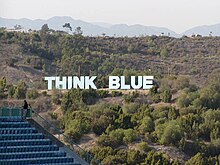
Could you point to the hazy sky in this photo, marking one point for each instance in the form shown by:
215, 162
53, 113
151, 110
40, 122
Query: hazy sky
178, 15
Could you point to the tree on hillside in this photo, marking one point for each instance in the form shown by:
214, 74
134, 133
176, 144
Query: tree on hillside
198, 159
45, 28
67, 26
3, 85
17, 27
164, 52
11, 91
172, 134
78, 31
147, 125
157, 158
167, 96
20, 90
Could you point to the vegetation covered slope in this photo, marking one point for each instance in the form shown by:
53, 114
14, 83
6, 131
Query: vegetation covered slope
76, 54
183, 113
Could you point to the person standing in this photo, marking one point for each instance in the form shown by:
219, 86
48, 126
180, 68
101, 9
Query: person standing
25, 108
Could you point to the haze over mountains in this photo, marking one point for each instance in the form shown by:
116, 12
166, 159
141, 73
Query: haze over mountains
98, 28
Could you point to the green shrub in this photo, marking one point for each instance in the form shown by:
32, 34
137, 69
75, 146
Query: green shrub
116, 93
130, 108
20, 91
103, 93
32, 94
129, 136
143, 146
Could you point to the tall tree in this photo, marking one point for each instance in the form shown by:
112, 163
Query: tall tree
45, 28
78, 31
67, 26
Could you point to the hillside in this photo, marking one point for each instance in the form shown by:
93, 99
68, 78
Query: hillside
176, 122
24, 55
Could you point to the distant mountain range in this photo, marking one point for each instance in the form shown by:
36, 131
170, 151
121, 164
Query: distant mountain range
204, 30
98, 28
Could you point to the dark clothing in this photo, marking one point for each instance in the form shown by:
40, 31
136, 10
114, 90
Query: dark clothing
24, 111
25, 105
